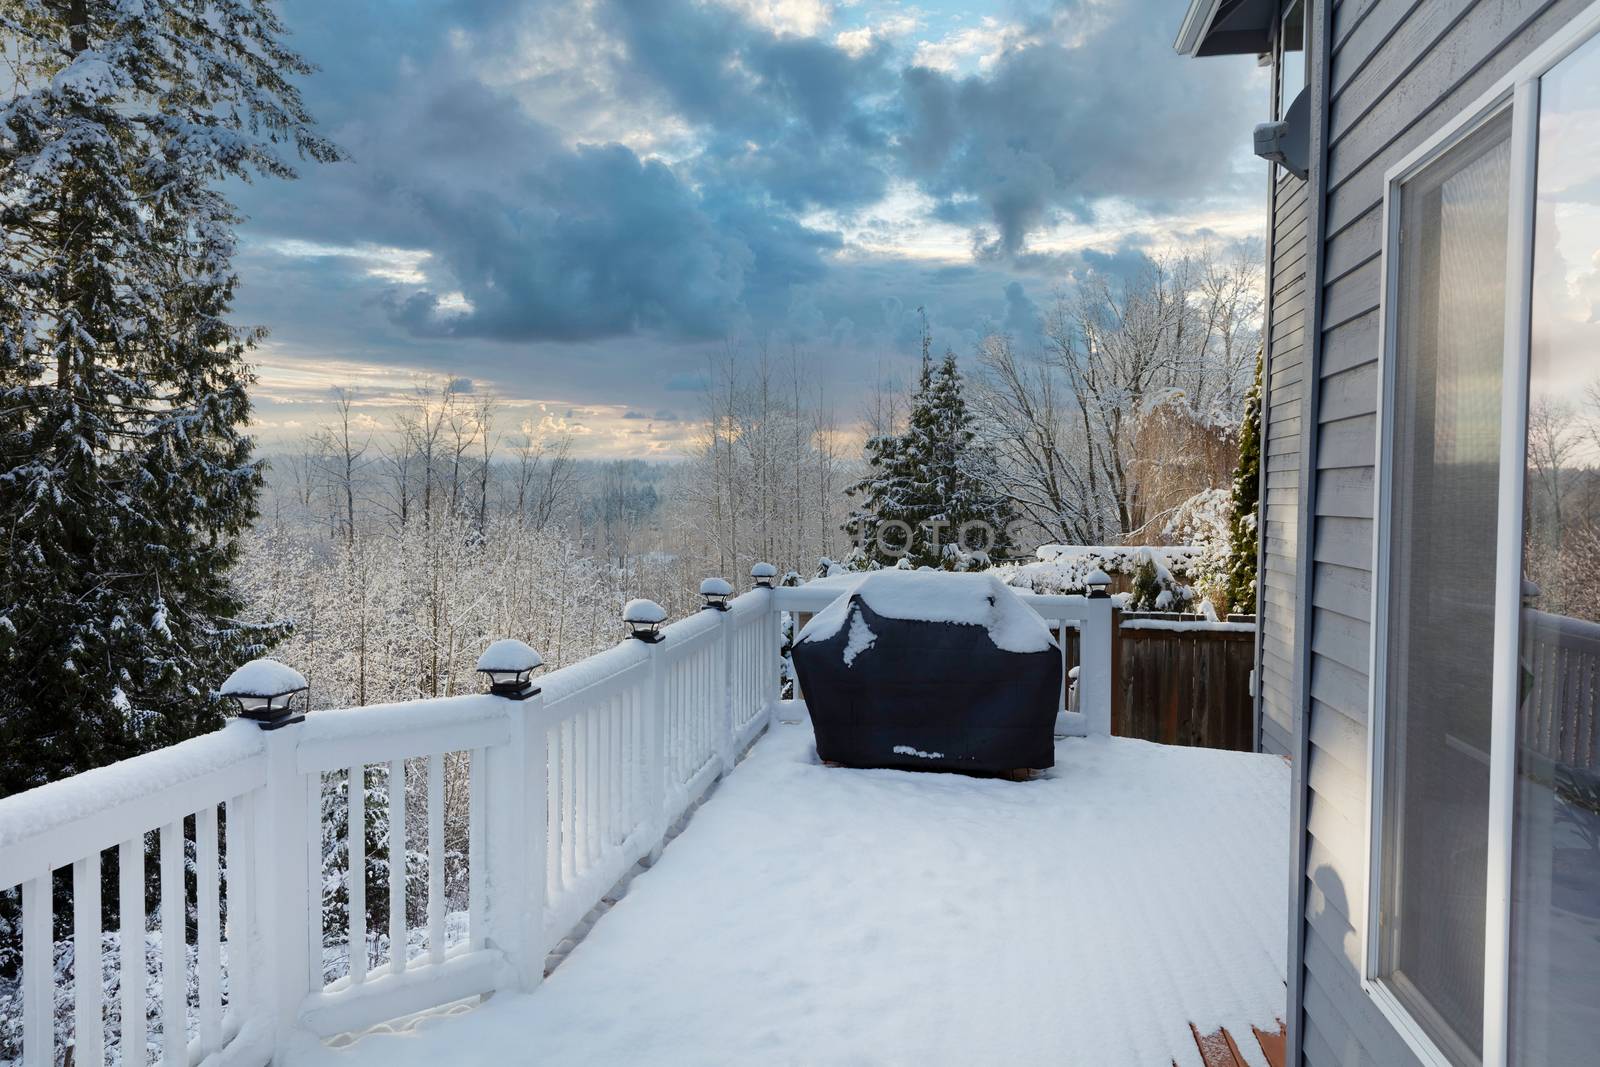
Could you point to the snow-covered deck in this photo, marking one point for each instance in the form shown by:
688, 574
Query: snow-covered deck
810, 914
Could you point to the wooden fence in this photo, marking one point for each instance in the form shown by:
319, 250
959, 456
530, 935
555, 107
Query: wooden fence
1181, 679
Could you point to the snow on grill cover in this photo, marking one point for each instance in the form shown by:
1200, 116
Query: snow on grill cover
928, 670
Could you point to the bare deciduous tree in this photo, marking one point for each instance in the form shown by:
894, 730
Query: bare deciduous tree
1179, 336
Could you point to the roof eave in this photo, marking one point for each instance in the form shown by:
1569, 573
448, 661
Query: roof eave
1226, 27
1196, 21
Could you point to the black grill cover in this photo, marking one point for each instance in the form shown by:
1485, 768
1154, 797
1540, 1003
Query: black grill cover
937, 696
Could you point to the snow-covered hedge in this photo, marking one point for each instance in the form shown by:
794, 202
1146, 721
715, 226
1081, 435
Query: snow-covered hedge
1161, 575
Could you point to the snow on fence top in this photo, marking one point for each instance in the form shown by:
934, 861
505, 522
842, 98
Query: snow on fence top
939, 596
42, 811
1117, 557
263, 677
643, 611
509, 655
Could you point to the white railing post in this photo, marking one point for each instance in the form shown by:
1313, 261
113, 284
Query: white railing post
508, 864
655, 754
765, 576
644, 619
772, 647
724, 668
283, 904
515, 844
725, 671
1097, 674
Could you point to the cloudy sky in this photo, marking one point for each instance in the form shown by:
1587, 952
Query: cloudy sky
577, 203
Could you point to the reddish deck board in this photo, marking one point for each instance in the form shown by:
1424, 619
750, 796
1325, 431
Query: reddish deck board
1218, 1049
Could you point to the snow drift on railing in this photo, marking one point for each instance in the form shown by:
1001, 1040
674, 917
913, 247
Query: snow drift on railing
42, 810
574, 678
345, 724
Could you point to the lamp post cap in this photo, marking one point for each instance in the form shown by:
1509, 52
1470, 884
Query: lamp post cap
763, 570
715, 587
1097, 577
263, 678
643, 611
509, 654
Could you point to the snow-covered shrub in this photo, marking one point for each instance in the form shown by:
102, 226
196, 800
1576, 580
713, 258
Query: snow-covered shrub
1063, 568
1205, 523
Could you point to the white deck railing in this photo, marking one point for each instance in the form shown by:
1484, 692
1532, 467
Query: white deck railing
568, 790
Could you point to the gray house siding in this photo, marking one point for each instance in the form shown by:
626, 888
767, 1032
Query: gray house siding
1283, 377
1397, 70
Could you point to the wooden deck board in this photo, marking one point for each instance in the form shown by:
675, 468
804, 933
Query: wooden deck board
1274, 1045
1219, 1049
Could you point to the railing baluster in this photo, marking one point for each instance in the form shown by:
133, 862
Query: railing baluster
625, 750
620, 767
674, 727
399, 929
208, 952
476, 862
569, 802
614, 770
607, 780
130, 933
602, 780
174, 977
38, 974
356, 893
238, 834
591, 801
88, 1025
436, 858
552, 814
555, 814
315, 976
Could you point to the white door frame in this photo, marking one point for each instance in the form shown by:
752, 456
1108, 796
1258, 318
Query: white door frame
1518, 89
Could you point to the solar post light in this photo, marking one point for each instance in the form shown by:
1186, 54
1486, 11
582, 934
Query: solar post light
1098, 582
265, 692
765, 574
644, 619
716, 592
509, 666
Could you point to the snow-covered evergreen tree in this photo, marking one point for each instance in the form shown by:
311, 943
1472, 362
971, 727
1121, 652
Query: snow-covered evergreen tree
935, 480
1243, 535
125, 477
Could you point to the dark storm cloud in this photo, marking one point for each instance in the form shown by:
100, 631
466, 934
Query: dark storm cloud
620, 274
1023, 320
797, 118
1062, 122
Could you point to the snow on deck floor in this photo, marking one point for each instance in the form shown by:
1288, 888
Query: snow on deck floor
820, 915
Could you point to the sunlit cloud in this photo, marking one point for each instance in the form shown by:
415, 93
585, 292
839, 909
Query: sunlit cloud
979, 46
801, 18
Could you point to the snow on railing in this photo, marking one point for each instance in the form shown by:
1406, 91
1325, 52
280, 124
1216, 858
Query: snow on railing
568, 784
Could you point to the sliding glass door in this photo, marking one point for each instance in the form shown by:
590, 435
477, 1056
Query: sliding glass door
1555, 890
1449, 328
1483, 896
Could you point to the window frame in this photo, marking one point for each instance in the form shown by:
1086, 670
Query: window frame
1281, 98
1518, 92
